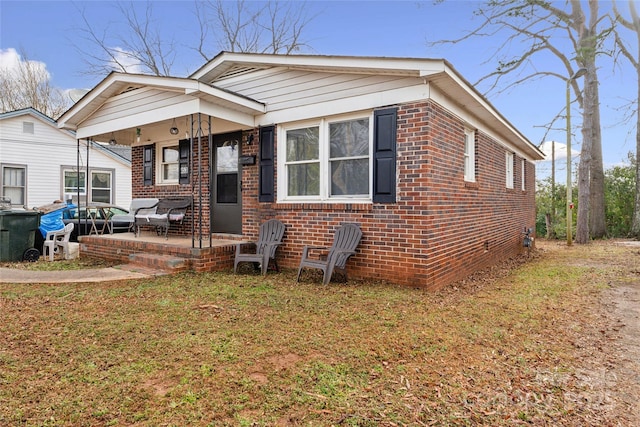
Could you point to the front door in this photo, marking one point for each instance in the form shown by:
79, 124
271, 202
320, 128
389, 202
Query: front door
227, 200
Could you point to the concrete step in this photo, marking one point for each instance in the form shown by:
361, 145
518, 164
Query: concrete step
157, 263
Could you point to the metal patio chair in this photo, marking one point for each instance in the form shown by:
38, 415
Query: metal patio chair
269, 238
346, 240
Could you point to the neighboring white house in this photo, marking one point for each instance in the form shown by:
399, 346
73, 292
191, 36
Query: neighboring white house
38, 164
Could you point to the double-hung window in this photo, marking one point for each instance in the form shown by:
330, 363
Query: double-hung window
168, 159
327, 160
14, 184
509, 169
524, 174
469, 156
101, 186
75, 181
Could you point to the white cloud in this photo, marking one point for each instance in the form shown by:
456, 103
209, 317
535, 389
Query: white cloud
560, 150
124, 59
10, 61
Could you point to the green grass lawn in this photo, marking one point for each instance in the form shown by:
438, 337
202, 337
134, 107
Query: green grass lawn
505, 347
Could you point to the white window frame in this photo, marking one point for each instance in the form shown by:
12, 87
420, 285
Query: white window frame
509, 169
6, 166
73, 190
523, 164
160, 164
469, 155
110, 188
86, 187
325, 176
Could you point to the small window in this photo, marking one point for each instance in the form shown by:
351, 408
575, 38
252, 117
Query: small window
469, 156
101, 187
27, 127
14, 184
524, 174
169, 164
74, 181
509, 170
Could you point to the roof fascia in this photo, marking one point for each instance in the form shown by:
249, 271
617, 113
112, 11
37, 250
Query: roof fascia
114, 81
185, 85
36, 114
347, 64
479, 98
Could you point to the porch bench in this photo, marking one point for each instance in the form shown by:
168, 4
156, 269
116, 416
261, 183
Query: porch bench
167, 211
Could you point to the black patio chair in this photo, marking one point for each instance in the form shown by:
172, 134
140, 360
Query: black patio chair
346, 240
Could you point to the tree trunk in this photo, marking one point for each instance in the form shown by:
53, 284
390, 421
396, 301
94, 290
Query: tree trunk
584, 189
590, 170
597, 218
635, 221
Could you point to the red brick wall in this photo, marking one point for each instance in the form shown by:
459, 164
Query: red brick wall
199, 214
440, 230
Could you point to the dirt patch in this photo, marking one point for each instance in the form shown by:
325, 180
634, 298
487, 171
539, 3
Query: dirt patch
622, 303
610, 378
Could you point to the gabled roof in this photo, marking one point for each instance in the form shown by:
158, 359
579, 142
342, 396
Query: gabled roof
253, 89
228, 67
119, 83
30, 111
122, 154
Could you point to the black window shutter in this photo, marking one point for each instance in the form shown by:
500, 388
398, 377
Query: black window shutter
384, 155
147, 164
183, 160
267, 166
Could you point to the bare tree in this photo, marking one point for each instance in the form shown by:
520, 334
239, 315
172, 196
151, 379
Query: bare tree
542, 28
240, 26
632, 24
140, 48
25, 83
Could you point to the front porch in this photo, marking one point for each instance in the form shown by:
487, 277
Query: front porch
150, 251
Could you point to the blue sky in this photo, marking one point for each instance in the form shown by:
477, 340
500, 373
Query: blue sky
45, 30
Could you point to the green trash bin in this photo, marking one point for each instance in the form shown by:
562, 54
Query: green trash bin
17, 235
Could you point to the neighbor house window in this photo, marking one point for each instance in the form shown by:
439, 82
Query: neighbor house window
101, 186
74, 182
469, 156
524, 173
328, 159
14, 184
509, 169
168, 160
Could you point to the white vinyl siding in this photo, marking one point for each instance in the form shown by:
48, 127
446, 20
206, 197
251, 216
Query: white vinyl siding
50, 152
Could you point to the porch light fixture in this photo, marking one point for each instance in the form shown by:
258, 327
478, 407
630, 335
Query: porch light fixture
138, 132
250, 139
113, 141
174, 130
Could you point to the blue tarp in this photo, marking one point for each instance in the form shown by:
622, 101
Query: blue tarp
52, 221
